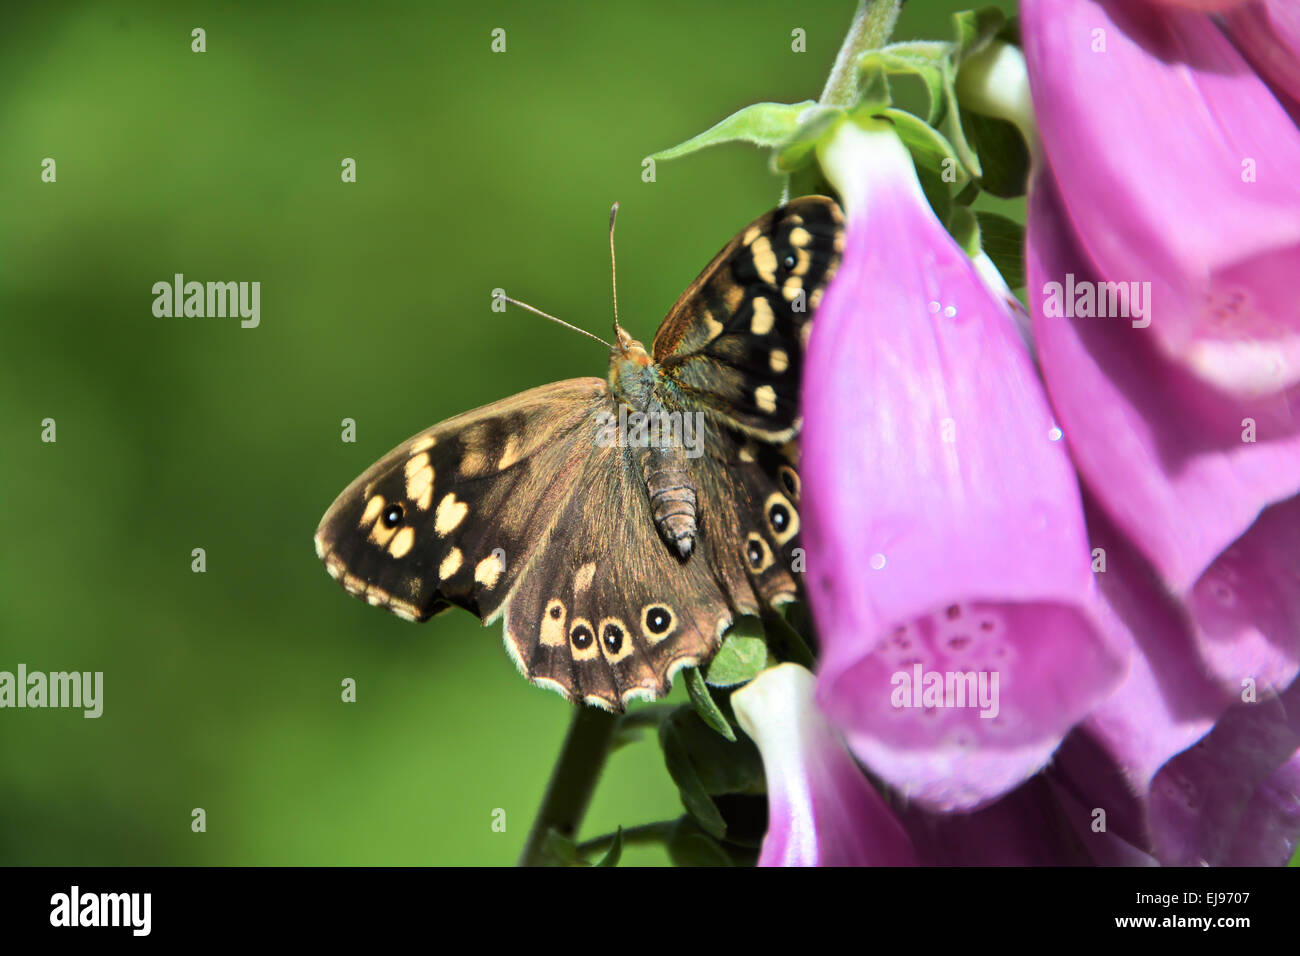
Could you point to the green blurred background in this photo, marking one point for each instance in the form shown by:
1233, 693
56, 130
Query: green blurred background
475, 170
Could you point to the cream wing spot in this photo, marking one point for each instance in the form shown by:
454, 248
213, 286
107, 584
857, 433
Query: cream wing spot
765, 398
763, 319
514, 448
373, 507
752, 233
488, 571
553, 631
449, 515
792, 287
764, 258
582, 580
400, 546
779, 360
423, 444
450, 564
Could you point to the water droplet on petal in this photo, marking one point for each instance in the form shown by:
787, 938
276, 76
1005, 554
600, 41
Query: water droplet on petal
877, 560
1055, 434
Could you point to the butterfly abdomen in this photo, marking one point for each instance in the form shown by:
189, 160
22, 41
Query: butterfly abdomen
672, 498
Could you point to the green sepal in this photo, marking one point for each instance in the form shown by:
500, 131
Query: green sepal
965, 229
763, 124
677, 758
690, 846
559, 850
614, 853
704, 704
1004, 157
1003, 240
797, 150
743, 655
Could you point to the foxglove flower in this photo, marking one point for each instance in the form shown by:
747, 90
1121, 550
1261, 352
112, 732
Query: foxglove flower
1268, 33
1166, 168
941, 514
822, 811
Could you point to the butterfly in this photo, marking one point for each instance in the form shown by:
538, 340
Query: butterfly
616, 549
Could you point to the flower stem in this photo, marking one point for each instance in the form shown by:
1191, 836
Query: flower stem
645, 833
873, 24
582, 758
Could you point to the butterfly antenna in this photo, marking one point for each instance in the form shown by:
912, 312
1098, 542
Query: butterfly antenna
613, 274
547, 315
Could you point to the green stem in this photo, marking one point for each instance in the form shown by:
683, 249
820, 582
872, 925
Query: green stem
639, 835
873, 24
573, 780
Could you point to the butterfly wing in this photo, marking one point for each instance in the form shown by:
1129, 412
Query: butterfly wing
734, 342
472, 499
516, 510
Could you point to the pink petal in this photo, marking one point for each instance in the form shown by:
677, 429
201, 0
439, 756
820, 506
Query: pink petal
1214, 800
1164, 455
941, 515
1268, 33
1177, 166
822, 811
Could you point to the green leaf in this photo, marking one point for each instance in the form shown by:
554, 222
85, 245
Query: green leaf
615, 851
763, 124
1004, 241
965, 229
743, 654
689, 846
798, 148
786, 643
1004, 158
720, 766
704, 704
694, 797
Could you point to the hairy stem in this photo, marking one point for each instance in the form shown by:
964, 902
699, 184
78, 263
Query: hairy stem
873, 24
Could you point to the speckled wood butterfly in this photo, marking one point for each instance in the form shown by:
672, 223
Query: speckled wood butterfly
614, 564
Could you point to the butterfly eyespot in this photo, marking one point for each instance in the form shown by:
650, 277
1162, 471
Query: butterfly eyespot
790, 481
556, 611
788, 261
754, 551
782, 519
656, 622
393, 516
581, 637
779, 516
757, 553
613, 638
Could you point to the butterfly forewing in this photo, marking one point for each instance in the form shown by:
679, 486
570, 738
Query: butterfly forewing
452, 515
734, 342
